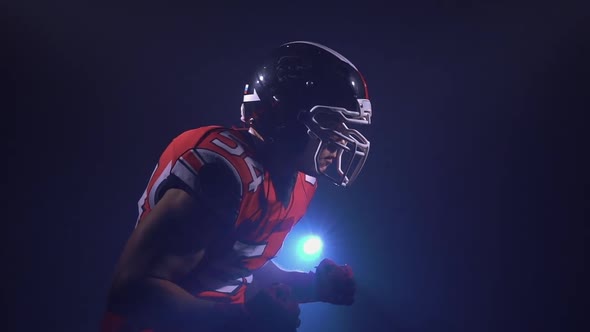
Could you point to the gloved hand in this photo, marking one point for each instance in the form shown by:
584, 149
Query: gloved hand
334, 283
272, 310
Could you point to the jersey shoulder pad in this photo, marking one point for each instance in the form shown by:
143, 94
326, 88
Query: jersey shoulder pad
193, 137
233, 149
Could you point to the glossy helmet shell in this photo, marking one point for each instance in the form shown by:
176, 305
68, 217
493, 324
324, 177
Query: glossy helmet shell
294, 79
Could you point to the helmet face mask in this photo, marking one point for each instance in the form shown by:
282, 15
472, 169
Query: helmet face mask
342, 148
307, 98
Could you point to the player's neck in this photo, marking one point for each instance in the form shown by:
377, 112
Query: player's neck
280, 164
278, 161
283, 175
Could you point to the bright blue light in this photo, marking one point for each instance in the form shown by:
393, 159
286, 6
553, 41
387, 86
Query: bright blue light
310, 247
305, 246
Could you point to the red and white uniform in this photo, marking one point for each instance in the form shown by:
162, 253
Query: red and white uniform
259, 221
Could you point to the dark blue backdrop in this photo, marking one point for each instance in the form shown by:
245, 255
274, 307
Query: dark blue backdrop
466, 217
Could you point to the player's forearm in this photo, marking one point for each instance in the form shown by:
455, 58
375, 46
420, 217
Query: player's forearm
161, 304
302, 284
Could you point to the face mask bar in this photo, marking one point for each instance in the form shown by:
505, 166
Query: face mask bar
352, 147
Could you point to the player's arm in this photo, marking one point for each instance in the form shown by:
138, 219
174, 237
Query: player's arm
301, 283
329, 283
165, 246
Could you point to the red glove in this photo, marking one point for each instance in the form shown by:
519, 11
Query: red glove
334, 283
272, 310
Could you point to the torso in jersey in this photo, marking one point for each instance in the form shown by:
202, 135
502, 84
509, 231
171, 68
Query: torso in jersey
260, 221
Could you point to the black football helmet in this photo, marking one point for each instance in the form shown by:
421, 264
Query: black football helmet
304, 91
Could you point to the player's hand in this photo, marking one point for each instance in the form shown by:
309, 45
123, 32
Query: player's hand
335, 283
273, 310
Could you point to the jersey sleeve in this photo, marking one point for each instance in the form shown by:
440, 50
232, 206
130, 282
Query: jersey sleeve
213, 164
205, 174
209, 178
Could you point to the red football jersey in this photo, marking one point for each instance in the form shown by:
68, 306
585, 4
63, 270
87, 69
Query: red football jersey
260, 221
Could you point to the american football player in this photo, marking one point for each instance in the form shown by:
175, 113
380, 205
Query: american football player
221, 201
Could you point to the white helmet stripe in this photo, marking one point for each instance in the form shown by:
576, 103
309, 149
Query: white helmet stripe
251, 97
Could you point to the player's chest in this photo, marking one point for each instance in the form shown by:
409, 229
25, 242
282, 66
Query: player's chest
265, 218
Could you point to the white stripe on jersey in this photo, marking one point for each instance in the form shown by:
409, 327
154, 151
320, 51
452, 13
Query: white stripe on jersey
249, 250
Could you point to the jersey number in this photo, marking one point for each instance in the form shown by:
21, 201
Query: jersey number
238, 150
